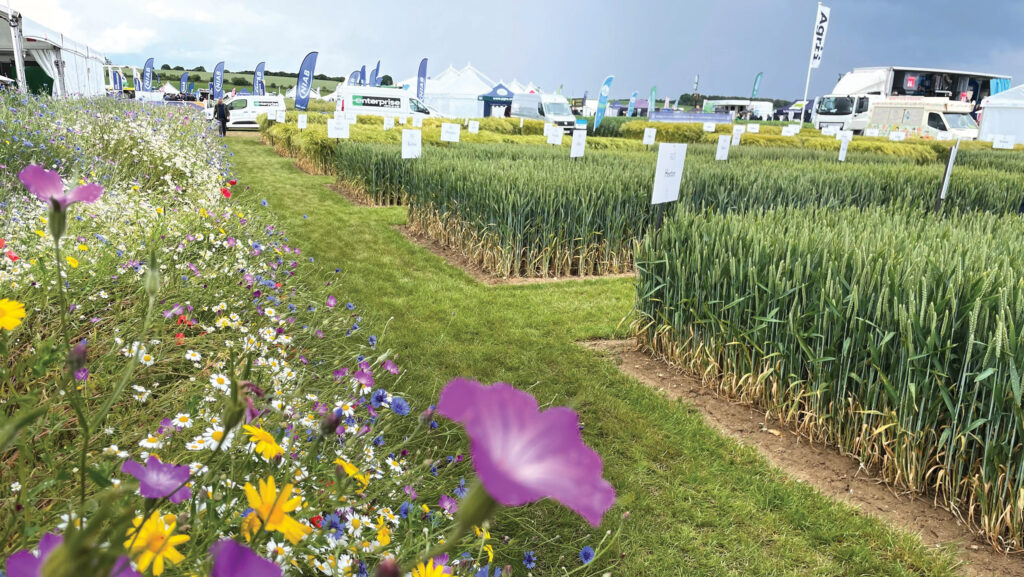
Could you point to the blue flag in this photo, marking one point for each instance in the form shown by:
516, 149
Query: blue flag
650, 103
632, 104
191, 87
183, 83
218, 81
362, 76
602, 101
757, 85
421, 80
147, 76
353, 79
373, 74
305, 84
118, 83
257, 80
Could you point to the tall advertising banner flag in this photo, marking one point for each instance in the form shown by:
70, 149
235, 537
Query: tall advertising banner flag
118, 83
147, 76
218, 81
602, 101
305, 84
632, 104
421, 80
650, 103
362, 76
183, 83
258, 88
757, 85
353, 79
191, 87
374, 73
821, 22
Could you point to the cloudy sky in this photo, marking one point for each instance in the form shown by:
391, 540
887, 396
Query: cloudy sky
577, 44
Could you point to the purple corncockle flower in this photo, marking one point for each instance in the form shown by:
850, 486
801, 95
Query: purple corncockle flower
82, 374
232, 559
364, 378
332, 302
26, 564
49, 188
157, 480
409, 490
448, 504
522, 454
390, 366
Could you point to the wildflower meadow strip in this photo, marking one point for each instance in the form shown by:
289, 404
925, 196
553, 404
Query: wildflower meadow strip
181, 396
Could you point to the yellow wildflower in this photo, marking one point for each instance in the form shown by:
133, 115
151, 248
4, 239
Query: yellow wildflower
353, 472
383, 532
273, 509
11, 313
428, 570
72, 261
40, 233
154, 543
83, 248
265, 443
490, 553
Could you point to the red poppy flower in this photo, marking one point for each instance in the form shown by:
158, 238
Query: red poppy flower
179, 338
3, 243
232, 182
12, 256
225, 192
182, 320
317, 521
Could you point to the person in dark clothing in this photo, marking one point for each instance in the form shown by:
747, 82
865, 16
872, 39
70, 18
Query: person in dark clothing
221, 114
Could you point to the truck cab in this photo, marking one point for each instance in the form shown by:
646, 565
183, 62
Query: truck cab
845, 112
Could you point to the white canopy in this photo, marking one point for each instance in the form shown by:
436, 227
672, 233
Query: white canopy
1003, 115
83, 67
168, 89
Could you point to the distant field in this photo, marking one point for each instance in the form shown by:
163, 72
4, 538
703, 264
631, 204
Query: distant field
172, 76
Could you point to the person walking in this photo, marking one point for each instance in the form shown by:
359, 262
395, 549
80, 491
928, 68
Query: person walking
221, 114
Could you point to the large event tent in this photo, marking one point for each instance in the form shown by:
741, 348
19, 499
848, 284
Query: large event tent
73, 69
1003, 115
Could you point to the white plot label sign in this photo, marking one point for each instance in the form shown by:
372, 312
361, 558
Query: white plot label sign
944, 136
474, 127
871, 132
579, 143
897, 136
650, 134
302, 122
754, 128
709, 127
1003, 142
450, 132
280, 116
555, 135
722, 153
949, 170
737, 134
389, 122
412, 143
843, 148
417, 121
669, 173
789, 131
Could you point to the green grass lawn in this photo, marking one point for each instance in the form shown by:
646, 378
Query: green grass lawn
699, 503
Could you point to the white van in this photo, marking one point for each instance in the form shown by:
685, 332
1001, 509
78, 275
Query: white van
923, 116
551, 108
245, 108
379, 101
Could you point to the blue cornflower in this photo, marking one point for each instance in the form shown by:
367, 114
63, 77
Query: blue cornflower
587, 554
379, 441
403, 511
433, 424
400, 406
529, 560
350, 306
264, 202
372, 340
461, 491
486, 572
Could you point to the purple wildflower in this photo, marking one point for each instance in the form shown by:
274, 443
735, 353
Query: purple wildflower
448, 504
49, 188
157, 480
232, 559
332, 302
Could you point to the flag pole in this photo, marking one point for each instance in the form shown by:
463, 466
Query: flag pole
810, 62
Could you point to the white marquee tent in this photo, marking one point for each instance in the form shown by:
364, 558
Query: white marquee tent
454, 92
1003, 115
77, 70
168, 89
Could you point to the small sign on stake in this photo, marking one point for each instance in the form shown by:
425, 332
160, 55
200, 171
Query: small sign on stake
897, 136
1003, 142
737, 134
302, 122
579, 143
944, 136
281, 116
389, 122
723, 147
949, 173
843, 148
417, 121
450, 132
474, 127
668, 173
555, 136
412, 143
871, 132
830, 131
709, 127
754, 128
650, 134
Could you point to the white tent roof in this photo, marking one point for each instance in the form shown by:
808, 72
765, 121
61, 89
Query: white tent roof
1003, 115
1012, 98
168, 89
83, 66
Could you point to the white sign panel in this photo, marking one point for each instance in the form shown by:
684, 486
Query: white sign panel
737, 134
871, 133
474, 127
723, 147
843, 148
412, 143
1003, 142
402, 119
417, 121
845, 135
788, 131
829, 130
450, 132
389, 122
820, 31
949, 170
302, 122
897, 136
650, 134
754, 128
709, 127
332, 129
669, 173
579, 143
342, 126
280, 116
555, 136
944, 136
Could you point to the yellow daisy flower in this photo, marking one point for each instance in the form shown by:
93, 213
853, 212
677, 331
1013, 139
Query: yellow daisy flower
428, 570
353, 472
155, 543
11, 313
73, 262
265, 443
273, 509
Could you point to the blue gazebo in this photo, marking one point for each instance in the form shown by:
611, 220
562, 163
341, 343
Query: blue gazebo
500, 95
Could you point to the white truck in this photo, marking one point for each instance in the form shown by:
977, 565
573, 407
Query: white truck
848, 106
925, 117
244, 108
379, 101
551, 108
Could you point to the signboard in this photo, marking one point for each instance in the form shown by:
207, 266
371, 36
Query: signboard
302, 122
788, 131
555, 136
650, 134
709, 127
332, 129
351, 116
1003, 142
844, 135
871, 132
474, 127
389, 122
342, 126
820, 31
723, 147
737, 134
417, 121
579, 143
412, 143
377, 101
829, 130
669, 173
450, 132
754, 128
949, 170
280, 116
897, 136
843, 148
581, 124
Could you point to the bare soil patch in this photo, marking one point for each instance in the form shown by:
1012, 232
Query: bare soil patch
820, 466
461, 261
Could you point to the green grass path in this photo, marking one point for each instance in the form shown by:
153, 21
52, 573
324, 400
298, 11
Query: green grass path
699, 504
